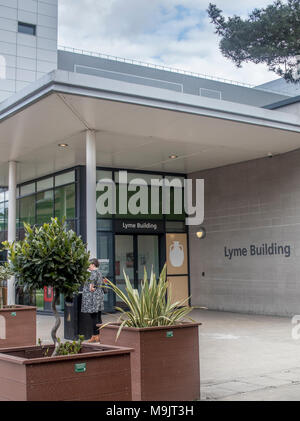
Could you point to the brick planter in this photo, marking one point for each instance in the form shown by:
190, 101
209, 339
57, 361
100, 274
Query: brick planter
165, 361
98, 373
17, 326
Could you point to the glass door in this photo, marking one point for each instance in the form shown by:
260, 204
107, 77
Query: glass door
124, 260
133, 253
147, 256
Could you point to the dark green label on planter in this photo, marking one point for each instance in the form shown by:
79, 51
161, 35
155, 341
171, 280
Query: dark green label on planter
13, 314
80, 368
170, 334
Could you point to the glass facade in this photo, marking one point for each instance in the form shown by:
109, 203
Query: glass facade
3, 219
132, 253
165, 201
37, 203
63, 195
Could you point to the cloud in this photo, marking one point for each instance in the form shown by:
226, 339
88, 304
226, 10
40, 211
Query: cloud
167, 32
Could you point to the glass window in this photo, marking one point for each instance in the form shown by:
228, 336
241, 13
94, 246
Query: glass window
44, 207
27, 189
65, 178
105, 256
174, 198
154, 203
2, 196
104, 225
26, 28
65, 202
27, 210
2, 216
3, 253
105, 252
39, 299
108, 198
44, 184
71, 224
17, 216
6, 213
132, 176
151, 208
104, 174
124, 259
175, 226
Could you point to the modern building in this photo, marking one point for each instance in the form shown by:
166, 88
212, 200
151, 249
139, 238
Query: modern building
69, 119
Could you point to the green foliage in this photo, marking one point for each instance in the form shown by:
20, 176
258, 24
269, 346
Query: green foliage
151, 306
5, 273
42, 348
66, 348
49, 255
69, 348
270, 35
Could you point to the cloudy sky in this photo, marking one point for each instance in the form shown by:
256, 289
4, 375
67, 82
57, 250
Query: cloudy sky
169, 32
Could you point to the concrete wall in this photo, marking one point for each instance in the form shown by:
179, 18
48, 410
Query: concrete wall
252, 203
178, 82
25, 58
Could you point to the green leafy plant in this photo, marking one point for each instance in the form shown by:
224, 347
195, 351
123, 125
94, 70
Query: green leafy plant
152, 306
50, 255
42, 348
68, 348
65, 348
5, 273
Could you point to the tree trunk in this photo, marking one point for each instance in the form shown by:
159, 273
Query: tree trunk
57, 323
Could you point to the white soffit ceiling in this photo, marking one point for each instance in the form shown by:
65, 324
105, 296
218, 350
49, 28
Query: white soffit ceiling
129, 136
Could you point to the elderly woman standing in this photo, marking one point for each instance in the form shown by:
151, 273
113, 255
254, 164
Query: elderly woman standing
93, 298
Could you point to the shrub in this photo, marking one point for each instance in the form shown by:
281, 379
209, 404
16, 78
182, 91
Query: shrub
53, 256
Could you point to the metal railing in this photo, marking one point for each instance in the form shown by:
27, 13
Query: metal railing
168, 69
153, 66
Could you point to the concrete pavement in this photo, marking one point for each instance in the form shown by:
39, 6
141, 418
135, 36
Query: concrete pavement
242, 357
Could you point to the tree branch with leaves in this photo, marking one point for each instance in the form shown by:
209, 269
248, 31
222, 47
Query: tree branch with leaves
270, 36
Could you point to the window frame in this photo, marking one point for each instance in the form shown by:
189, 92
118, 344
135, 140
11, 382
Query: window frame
26, 25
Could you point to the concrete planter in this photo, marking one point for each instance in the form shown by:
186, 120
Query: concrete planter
17, 326
165, 361
98, 373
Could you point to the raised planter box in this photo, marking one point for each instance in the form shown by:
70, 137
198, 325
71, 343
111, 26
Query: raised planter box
17, 326
98, 373
165, 362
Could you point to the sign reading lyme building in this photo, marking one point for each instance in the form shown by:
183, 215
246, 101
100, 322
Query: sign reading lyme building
265, 249
139, 227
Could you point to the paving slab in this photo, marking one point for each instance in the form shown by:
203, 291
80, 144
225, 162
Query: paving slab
215, 393
239, 387
265, 381
282, 393
293, 375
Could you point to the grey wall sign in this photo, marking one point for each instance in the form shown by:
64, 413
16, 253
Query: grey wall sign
139, 226
266, 249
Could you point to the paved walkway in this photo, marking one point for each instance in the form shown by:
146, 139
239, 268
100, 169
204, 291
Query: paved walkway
242, 357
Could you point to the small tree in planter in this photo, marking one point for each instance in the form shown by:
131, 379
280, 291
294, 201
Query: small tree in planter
53, 256
165, 364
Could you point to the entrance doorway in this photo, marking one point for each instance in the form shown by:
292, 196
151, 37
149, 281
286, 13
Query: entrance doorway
133, 253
